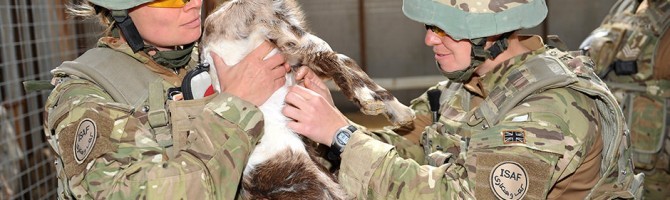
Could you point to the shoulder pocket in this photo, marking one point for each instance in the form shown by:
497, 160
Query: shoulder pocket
91, 128
647, 123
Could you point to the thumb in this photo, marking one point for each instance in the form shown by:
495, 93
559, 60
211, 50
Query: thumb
218, 61
301, 73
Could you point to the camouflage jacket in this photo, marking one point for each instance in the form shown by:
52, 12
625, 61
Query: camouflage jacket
108, 149
480, 149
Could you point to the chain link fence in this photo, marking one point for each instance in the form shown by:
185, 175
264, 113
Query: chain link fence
35, 37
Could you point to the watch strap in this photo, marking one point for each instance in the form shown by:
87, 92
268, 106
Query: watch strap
337, 148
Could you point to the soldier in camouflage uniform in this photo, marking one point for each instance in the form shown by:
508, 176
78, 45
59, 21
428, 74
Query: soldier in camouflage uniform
631, 50
116, 133
516, 120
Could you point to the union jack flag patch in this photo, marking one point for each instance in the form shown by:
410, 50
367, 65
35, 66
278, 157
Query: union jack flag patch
511, 137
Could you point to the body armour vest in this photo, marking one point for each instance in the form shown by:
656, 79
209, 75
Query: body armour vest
136, 90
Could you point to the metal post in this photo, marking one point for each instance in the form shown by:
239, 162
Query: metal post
545, 24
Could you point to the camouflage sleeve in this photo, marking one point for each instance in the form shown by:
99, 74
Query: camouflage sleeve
406, 139
394, 163
381, 173
108, 151
540, 142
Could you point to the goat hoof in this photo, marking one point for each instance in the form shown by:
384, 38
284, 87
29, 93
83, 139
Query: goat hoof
398, 113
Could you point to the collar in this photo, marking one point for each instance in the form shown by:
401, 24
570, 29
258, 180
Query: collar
475, 86
173, 77
486, 83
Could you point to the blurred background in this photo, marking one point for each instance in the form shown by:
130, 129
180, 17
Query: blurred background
37, 35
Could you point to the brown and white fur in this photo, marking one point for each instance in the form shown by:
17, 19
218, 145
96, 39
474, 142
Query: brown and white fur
280, 166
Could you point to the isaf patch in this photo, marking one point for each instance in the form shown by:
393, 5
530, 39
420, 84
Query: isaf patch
509, 180
501, 174
516, 136
84, 139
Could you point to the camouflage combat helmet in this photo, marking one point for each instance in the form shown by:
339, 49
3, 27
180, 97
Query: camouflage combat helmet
476, 20
471, 19
119, 10
119, 4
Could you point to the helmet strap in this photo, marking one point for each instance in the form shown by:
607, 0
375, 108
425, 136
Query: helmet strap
128, 29
499, 45
477, 56
460, 76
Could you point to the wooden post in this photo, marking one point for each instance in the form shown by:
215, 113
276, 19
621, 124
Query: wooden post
362, 31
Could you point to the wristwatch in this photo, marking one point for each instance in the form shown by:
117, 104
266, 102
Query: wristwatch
341, 139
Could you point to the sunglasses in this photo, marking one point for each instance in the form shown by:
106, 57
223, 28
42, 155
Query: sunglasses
436, 30
168, 3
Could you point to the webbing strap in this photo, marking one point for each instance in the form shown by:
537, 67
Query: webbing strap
37, 85
555, 41
158, 116
128, 29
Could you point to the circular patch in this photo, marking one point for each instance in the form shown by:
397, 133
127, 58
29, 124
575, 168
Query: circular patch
84, 139
509, 180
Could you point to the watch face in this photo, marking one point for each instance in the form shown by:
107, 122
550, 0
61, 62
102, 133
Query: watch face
343, 137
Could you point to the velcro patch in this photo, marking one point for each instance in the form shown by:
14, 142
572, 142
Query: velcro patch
516, 136
84, 140
509, 180
511, 176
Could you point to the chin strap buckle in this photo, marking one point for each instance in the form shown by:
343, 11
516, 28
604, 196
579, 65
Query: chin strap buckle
128, 29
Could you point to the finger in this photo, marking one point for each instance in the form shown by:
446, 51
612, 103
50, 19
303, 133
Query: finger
295, 99
275, 60
280, 82
303, 92
281, 66
291, 112
310, 79
278, 72
261, 51
287, 67
316, 84
302, 73
309, 84
218, 61
295, 126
